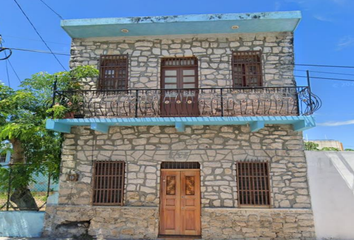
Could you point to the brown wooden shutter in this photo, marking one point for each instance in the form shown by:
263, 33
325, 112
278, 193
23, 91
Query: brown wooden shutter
113, 72
108, 183
247, 69
253, 183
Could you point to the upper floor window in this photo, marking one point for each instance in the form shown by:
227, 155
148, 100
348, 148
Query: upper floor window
247, 69
253, 184
108, 183
113, 72
2, 158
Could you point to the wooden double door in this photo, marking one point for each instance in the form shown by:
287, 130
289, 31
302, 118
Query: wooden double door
180, 202
179, 81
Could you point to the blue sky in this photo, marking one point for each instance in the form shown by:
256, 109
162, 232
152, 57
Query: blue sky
325, 36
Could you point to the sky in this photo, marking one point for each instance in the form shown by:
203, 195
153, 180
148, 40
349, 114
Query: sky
325, 36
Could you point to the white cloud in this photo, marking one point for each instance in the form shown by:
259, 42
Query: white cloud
339, 2
335, 124
323, 18
345, 42
277, 5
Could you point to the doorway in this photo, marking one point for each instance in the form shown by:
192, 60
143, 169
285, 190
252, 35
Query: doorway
180, 202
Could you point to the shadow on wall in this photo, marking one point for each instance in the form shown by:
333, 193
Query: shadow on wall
331, 178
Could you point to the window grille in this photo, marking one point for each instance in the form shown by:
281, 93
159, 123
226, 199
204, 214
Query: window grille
113, 72
253, 183
108, 183
247, 68
180, 165
2, 158
179, 62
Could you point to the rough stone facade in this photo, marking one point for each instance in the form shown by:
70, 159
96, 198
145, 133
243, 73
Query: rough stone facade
216, 148
213, 52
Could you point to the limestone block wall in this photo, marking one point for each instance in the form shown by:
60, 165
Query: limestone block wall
257, 224
214, 54
216, 148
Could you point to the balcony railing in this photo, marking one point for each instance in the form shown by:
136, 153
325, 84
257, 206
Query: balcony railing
211, 102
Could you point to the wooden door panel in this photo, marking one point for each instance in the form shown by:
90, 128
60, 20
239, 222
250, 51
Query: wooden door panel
190, 202
180, 202
170, 203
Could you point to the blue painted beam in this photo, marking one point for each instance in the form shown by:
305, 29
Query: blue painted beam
180, 126
299, 123
100, 127
57, 126
255, 126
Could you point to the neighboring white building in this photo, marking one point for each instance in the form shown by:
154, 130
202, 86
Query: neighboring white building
328, 143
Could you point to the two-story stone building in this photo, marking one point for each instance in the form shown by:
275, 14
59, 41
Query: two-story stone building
193, 128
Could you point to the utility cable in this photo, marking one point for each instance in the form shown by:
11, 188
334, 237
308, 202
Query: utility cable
35, 29
324, 78
52, 10
335, 73
7, 74
31, 39
38, 51
320, 65
13, 69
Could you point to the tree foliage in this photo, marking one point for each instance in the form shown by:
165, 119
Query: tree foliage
23, 114
311, 146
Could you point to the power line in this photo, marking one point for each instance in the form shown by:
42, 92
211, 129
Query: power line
31, 39
320, 65
324, 78
336, 73
38, 51
52, 10
35, 29
333, 79
7, 74
13, 69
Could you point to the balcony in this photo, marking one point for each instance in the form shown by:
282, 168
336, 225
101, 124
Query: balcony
268, 105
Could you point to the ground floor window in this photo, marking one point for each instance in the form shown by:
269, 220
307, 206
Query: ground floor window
253, 183
108, 183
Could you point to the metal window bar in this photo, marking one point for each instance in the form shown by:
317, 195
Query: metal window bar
179, 61
180, 165
253, 183
108, 180
113, 72
246, 68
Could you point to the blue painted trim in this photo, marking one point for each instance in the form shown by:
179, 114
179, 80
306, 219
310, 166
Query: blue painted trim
58, 126
100, 127
180, 126
183, 24
255, 126
299, 123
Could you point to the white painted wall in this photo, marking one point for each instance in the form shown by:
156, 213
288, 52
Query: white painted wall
21, 224
331, 177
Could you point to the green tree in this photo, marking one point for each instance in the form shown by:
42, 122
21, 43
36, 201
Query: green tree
329, 149
23, 114
349, 149
311, 146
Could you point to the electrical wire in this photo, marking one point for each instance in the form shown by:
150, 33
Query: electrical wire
13, 69
7, 73
320, 65
332, 79
323, 78
336, 73
52, 10
35, 29
38, 51
31, 39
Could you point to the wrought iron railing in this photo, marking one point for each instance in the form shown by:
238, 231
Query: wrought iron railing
137, 103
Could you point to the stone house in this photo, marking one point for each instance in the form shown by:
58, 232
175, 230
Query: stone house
193, 128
